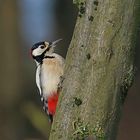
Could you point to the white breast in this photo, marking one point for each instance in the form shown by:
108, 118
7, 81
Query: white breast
51, 70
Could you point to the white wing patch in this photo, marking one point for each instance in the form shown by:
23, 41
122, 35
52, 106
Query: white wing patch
38, 79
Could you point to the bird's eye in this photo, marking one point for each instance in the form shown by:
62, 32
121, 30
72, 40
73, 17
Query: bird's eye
42, 46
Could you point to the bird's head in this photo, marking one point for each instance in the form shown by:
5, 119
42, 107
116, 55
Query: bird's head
42, 49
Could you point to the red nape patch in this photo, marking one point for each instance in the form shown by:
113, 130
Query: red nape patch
52, 103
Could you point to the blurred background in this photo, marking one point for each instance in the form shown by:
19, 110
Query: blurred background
23, 23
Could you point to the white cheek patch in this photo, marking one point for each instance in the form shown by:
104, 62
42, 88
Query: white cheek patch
38, 51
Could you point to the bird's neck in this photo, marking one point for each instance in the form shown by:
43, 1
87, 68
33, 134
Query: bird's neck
39, 59
49, 55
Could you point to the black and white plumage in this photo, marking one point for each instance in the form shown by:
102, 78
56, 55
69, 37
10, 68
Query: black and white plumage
49, 74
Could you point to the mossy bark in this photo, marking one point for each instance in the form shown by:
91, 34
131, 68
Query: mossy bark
99, 70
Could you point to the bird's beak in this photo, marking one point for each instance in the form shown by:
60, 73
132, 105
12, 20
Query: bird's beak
54, 43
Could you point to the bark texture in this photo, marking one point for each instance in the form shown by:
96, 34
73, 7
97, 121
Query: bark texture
99, 70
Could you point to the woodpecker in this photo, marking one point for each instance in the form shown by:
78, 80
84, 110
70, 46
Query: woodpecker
49, 74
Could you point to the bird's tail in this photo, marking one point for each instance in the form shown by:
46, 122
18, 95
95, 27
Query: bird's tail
50, 105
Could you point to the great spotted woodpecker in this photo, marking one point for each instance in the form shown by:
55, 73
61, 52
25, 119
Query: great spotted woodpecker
49, 74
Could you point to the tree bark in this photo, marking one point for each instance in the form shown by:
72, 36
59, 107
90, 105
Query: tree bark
99, 70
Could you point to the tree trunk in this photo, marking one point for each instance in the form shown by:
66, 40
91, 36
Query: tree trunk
99, 70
